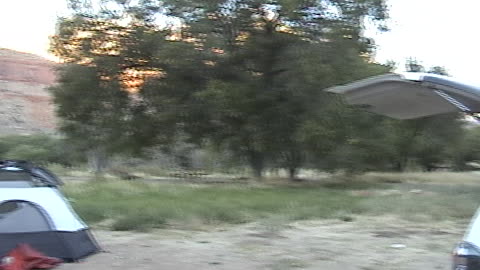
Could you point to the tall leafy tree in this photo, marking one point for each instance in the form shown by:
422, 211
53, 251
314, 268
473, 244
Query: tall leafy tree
108, 50
270, 60
245, 75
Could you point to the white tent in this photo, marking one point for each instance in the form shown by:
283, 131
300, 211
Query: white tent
52, 203
41, 217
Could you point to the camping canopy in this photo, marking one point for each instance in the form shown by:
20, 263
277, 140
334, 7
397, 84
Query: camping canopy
411, 95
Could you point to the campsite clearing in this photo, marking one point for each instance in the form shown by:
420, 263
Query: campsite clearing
367, 243
380, 221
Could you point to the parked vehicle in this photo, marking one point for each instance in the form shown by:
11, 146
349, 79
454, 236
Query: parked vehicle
416, 95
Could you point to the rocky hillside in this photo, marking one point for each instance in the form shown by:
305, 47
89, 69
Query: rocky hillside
25, 104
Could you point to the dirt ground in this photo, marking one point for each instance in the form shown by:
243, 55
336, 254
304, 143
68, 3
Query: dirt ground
365, 243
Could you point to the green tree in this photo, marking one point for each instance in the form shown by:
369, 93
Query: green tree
107, 54
39, 148
438, 70
246, 75
465, 148
424, 141
274, 59
413, 65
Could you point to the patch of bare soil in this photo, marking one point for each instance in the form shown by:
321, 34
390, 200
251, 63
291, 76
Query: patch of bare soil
367, 244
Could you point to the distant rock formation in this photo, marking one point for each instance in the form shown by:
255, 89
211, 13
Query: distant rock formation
25, 104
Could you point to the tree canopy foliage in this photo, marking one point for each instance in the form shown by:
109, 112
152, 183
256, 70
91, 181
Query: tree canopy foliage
243, 76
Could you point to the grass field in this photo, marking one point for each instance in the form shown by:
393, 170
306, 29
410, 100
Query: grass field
137, 205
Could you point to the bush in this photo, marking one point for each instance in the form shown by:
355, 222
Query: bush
39, 148
139, 221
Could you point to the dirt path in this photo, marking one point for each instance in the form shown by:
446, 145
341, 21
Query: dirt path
366, 243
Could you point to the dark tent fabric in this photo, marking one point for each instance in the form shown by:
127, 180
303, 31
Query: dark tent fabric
33, 211
68, 246
23, 222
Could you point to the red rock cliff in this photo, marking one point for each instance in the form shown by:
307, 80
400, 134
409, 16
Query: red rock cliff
25, 104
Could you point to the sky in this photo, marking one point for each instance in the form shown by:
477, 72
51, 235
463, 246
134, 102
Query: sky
435, 32
25, 25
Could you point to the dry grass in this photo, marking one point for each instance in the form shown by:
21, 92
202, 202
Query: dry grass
422, 177
128, 205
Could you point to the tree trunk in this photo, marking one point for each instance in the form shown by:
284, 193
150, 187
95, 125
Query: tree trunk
97, 161
399, 166
294, 160
292, 173
257, 165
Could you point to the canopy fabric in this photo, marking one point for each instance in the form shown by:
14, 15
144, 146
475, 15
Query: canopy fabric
411, 95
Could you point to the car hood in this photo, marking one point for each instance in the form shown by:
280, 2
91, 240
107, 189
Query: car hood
411, 95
